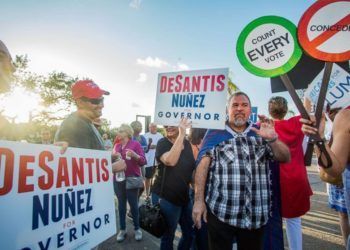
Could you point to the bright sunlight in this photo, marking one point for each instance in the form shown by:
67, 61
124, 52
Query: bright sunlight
18, 104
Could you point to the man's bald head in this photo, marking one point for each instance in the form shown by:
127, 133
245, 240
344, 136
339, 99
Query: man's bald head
6, 68
152, 128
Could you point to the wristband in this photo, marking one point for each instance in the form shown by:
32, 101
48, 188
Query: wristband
271, 140
322, 148
208, 154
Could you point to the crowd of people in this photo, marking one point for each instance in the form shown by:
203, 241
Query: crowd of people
222, 187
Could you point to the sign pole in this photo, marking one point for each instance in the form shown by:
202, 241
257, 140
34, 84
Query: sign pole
319, 109
323, 91
289, 86
310, 147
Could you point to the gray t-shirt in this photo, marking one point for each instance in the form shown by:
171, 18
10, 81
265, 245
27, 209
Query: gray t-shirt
79, 132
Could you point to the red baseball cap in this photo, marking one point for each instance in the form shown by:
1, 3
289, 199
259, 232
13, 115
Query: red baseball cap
87, 88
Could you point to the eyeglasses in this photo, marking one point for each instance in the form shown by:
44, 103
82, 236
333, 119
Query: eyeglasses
93, 101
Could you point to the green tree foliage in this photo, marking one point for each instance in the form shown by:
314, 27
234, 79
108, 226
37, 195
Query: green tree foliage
105, 127
54, 93
23, 78
162, 131
53, 90
232, 87
56, 97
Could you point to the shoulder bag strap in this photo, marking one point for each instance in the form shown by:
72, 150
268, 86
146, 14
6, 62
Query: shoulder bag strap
163, 179
162, 185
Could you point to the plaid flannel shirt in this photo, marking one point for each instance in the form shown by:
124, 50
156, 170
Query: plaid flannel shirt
238, 185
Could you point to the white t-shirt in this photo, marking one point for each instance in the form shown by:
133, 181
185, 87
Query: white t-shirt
151, 153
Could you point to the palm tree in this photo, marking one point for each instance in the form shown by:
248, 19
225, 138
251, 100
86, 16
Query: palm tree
232, 87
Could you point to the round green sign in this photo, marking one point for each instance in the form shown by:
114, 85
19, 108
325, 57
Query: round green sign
268, 46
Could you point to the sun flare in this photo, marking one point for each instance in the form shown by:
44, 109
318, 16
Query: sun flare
19, 104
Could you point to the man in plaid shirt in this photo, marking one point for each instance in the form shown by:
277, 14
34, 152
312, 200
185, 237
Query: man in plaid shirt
237, 192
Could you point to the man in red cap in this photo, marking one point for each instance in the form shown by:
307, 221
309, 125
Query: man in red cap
78, 128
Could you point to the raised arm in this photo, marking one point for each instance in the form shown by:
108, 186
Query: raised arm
280, 151
267, 132
171, 157
341, 141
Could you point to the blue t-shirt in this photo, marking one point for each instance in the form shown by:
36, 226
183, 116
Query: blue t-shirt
142, 140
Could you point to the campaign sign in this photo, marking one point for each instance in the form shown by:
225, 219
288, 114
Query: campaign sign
324, 30
303, 73
268, 47
254, 115
50, 200
199, 95
338, 88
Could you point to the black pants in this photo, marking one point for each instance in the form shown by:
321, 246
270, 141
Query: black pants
221, 236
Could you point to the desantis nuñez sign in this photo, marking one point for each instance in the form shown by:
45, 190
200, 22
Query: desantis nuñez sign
50, 200
199, 95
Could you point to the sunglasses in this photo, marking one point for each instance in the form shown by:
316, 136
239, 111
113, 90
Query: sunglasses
168, 127
93, 101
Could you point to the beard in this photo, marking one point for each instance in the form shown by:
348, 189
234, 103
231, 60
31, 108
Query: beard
94, 114
239, 122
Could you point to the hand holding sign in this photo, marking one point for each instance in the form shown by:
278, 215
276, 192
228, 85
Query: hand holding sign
183, 125
324, 33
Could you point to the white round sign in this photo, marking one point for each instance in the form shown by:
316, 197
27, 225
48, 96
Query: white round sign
268, 47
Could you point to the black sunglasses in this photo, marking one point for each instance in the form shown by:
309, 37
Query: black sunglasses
169, 127
93, 101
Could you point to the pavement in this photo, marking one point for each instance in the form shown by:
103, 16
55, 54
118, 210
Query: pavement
149, 242
320, 226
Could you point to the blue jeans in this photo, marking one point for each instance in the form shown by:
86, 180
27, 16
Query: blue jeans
273, 238
346, 183
130, 195
173, 215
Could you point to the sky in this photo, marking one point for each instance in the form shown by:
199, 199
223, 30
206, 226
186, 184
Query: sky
124, 44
